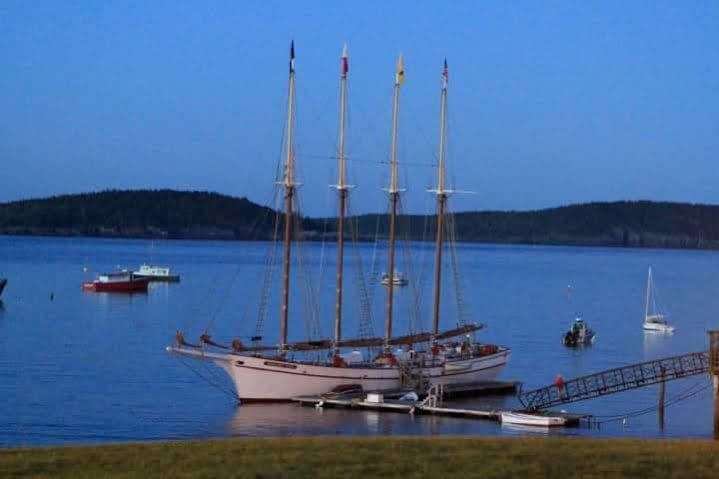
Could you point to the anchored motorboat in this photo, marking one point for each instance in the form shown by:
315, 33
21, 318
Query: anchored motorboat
578, 334
398, 279
156, 273
118, 282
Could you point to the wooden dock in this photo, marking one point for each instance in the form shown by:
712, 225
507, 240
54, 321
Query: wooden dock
432, 404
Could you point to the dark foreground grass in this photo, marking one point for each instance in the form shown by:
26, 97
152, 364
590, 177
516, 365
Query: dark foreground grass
347, 457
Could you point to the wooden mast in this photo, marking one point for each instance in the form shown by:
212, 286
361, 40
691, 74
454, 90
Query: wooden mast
342, 192
289, 184
441, 202
394, 197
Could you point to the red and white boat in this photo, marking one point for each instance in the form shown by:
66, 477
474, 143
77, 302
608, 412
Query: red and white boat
119, 282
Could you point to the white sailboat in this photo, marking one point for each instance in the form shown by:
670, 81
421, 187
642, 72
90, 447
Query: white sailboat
272, 373
654, 320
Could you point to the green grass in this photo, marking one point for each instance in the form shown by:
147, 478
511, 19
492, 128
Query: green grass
367, 457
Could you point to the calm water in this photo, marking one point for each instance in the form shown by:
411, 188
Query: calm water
88, 367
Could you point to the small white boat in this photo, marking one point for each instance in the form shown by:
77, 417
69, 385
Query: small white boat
398, 279
156, 273
653, 320
532, 419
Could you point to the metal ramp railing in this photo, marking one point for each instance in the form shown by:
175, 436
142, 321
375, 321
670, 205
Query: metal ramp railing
616, 380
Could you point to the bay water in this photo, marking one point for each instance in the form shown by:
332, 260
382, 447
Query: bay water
83, 367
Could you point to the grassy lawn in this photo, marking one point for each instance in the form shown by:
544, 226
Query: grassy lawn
366, 457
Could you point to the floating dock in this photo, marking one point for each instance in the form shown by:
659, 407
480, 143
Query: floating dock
388, 401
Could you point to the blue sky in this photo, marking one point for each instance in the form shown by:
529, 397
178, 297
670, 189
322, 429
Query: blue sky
550, 102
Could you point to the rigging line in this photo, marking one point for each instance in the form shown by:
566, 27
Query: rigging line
271, 253
310, 296
459, 296
414, 321
223, 301
204, 303
219, 387
267, 278
301, 275
375, 271
639, 412
679, 395
365, 328
228, 290
325, 223
270, 261
654, 408
361, 160
424, 264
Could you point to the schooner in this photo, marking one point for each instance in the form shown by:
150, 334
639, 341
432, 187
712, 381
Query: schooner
269, 373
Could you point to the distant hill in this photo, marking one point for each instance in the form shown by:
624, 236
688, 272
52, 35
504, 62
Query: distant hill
185, 214
139, 213
620, 223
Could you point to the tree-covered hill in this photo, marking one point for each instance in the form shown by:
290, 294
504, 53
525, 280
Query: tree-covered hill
139, 213
183, 214
620, 223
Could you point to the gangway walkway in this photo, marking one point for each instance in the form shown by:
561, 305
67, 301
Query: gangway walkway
616, 380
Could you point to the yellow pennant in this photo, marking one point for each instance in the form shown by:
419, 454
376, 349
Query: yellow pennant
400, 71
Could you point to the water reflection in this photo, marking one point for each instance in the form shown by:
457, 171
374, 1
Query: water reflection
293, 419
656, 344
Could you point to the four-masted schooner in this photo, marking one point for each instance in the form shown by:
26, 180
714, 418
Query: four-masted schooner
262, 373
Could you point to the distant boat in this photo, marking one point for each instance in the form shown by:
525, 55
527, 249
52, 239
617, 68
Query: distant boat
578, 334
3, 282
156, 273
532, 419
653, 320
398, 279
120, 282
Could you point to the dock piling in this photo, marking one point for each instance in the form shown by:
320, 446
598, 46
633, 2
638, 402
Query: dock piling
662, 391
714, 371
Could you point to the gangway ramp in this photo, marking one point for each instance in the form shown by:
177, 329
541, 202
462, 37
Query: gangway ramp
616, 380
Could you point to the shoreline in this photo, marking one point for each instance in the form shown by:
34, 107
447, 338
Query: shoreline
568, 244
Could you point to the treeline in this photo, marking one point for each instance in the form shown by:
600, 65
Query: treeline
139, 213
196, 214
620, 223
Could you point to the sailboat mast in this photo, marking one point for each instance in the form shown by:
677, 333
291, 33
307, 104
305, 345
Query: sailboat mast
394, 198
289, 184
649, 288
441, 202
342, 192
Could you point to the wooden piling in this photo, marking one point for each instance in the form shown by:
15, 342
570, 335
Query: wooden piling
662, 391
714, 359
714, 371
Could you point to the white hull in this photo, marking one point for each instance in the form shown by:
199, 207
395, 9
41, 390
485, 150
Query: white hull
658, 327
532, 420
265, 379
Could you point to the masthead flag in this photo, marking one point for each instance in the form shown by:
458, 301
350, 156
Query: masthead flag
399, 79
345, 62
292, 56
445, 75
